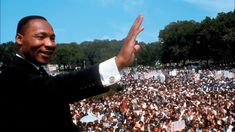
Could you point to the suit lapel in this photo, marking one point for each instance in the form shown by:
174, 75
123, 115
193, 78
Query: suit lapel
26, 66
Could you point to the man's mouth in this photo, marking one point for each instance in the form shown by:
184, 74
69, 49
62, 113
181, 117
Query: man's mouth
46, 54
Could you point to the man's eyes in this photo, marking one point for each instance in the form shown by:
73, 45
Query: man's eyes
40, 37
52, 38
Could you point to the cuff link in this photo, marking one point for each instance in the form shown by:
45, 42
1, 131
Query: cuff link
111, 79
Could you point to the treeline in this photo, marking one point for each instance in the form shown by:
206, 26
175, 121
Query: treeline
211, 41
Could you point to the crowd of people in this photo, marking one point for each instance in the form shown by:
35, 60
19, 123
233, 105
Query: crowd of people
163, 100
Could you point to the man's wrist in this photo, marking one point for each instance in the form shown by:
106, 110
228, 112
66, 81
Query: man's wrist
117, 61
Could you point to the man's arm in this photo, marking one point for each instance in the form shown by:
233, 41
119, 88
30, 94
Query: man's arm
109, 70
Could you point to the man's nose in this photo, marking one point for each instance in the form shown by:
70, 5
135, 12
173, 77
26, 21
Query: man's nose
50, 43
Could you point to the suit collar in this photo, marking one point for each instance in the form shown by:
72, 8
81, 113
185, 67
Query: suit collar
37, 67
26, 65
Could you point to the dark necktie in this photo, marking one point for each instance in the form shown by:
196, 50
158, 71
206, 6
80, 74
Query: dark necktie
43, 72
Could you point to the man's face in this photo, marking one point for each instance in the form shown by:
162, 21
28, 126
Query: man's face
37, 42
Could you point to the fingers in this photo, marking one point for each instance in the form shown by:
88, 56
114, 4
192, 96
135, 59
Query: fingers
135, 29
137, 22
137, 48
140, 30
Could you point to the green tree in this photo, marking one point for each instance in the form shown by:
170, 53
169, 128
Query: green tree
7, 51
177, 40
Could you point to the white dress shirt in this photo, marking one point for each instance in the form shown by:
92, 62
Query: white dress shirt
109, 73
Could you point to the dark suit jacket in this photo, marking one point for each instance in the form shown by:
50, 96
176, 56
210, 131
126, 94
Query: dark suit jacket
30, 102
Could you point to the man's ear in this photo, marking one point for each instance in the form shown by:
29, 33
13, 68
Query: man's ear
18, 39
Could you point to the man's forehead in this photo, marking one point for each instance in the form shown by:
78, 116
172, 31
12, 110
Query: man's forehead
39, 25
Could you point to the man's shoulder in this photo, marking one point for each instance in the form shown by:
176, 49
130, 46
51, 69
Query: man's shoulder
15, 71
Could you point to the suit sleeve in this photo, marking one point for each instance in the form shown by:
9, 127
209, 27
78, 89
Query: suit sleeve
78, 85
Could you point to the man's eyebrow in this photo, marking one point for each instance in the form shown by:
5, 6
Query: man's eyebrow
44, 33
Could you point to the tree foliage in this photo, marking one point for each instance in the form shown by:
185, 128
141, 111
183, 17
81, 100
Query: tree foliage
210, 40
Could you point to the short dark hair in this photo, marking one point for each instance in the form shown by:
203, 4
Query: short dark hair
25, 20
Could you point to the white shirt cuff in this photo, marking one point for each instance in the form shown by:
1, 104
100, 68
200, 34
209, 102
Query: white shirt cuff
109, 73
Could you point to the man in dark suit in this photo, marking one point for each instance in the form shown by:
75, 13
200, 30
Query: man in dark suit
32, 100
